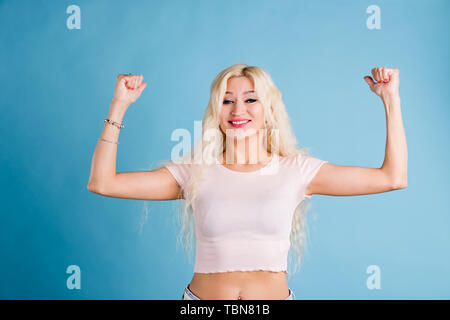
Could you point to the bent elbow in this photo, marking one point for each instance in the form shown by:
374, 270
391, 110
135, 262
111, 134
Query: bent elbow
92, 188
400, 185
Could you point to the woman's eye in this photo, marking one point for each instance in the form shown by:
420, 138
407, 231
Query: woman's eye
252, 101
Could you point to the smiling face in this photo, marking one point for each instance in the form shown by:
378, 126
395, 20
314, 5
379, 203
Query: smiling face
241, 109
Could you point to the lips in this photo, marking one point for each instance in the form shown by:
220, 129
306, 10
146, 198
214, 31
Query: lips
239, 125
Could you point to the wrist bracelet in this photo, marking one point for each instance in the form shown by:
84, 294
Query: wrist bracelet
109, 141
118, 125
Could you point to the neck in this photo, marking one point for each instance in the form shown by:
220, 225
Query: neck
247, 150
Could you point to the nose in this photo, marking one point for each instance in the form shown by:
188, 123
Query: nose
238, 108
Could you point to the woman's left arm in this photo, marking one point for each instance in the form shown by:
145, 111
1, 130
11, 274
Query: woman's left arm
340, 180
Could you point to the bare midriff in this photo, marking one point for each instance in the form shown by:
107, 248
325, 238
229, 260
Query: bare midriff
244, 285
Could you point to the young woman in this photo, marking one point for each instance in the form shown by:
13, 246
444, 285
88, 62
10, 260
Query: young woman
245, 181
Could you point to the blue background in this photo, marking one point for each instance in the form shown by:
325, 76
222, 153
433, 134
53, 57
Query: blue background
57, 84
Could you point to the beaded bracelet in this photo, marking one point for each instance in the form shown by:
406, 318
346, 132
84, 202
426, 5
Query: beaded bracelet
118, 125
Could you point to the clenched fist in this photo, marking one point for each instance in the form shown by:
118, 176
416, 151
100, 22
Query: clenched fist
128, 88
387, 84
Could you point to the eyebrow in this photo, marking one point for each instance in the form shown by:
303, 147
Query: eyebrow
252, 91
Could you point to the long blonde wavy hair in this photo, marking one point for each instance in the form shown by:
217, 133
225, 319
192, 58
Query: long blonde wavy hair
276, 122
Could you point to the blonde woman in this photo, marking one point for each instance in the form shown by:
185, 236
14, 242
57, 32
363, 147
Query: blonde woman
245, 184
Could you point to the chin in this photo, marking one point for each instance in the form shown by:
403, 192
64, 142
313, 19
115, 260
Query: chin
240, 133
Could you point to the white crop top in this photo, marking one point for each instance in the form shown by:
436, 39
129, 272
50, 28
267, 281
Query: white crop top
243, 220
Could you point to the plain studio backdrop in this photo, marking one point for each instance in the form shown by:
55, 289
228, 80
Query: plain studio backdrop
58, 71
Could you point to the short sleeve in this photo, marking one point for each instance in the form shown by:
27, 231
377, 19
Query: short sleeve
308, 167
180, 171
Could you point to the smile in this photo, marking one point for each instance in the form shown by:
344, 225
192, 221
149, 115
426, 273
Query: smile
239, 124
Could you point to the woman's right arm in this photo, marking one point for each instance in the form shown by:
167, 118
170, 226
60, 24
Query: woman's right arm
157, 184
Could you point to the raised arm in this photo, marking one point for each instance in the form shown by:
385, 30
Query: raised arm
339, 180
158, 184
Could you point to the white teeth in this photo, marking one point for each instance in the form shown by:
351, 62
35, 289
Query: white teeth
240, 122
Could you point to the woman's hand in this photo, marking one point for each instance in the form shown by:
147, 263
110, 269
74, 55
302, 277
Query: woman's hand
128, 88
387, 84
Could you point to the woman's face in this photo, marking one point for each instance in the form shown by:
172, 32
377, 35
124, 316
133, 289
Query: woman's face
241, 105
